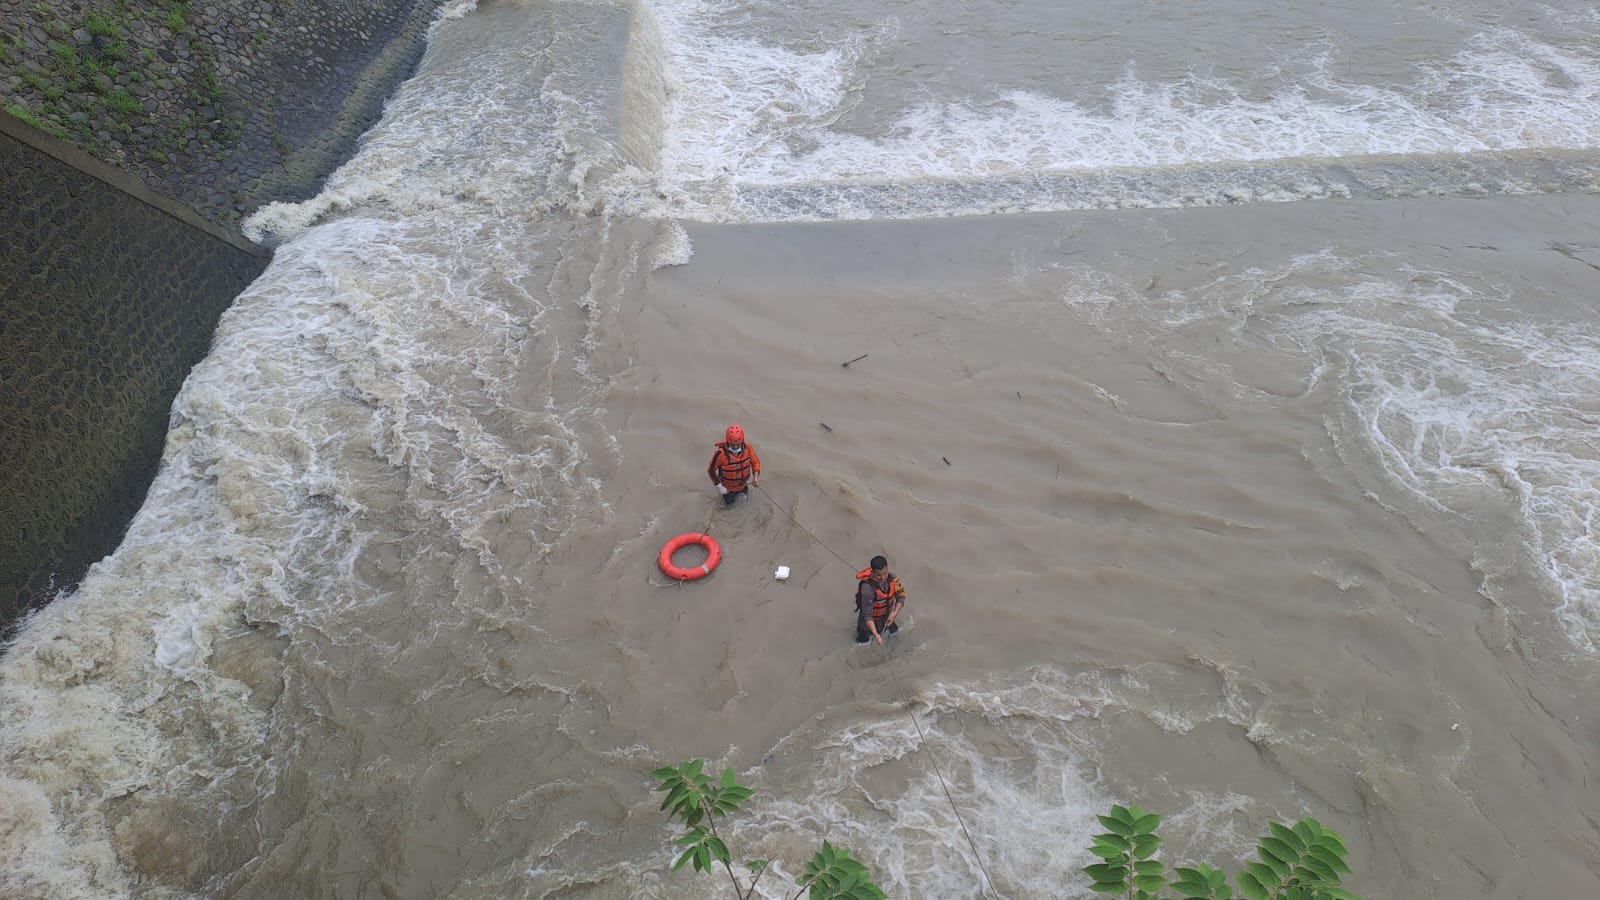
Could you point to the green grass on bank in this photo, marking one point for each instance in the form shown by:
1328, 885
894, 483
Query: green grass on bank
95, 91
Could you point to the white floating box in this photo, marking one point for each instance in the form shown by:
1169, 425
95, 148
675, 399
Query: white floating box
782, 574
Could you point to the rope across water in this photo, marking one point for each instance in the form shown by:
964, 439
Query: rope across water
921, 736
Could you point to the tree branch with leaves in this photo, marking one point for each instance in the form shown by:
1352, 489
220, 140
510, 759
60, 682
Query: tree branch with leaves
697, 801
1304, 862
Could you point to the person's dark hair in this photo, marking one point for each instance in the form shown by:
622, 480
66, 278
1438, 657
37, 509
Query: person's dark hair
879, 562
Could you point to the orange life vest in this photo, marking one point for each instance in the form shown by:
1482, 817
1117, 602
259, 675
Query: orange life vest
883, 597
732, 470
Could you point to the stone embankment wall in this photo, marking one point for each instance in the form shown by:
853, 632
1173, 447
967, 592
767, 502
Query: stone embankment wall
139, 133
107, 299
224, 105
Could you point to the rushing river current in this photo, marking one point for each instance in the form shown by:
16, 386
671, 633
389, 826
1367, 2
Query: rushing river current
1229, 410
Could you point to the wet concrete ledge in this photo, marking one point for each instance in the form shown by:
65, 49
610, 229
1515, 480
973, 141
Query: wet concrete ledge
19, 132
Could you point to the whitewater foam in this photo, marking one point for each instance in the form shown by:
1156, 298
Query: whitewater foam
1465, 397
752, 128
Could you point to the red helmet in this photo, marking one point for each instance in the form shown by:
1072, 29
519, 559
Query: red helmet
735, 434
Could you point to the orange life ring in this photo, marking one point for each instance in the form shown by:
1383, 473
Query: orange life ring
713, 556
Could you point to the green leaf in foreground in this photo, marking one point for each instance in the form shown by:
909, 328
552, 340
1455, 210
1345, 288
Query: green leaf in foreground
699, 803
1302, 862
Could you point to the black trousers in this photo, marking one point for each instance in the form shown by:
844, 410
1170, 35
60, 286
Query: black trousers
732, 497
